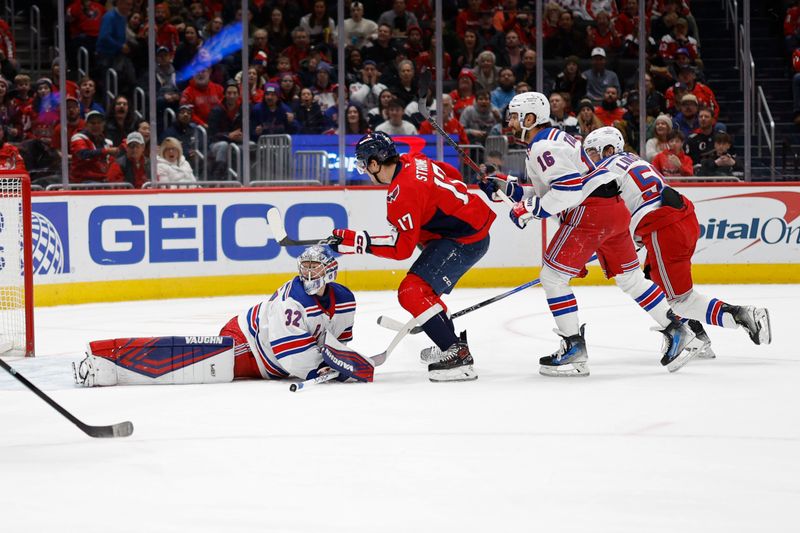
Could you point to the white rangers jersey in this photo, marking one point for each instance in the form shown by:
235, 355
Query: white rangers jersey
286, 331
640, 182
560, 171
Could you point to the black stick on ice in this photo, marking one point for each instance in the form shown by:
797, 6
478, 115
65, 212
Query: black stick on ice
123, 429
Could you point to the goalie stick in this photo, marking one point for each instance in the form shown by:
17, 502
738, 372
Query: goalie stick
275, 220
422, 94
378, 359
123, 429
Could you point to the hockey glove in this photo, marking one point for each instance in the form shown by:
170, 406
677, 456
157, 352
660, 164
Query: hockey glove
499, 181
348, 363
351, 242
524, 212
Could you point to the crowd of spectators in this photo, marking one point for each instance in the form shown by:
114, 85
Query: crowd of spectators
590, 75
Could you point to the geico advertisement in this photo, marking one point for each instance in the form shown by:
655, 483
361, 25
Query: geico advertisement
743, 224
115, 236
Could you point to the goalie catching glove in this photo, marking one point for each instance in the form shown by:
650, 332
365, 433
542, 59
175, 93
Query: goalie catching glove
349, 363
499, 181
351, 242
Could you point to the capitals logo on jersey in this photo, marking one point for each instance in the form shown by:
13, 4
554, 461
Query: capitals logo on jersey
393, 194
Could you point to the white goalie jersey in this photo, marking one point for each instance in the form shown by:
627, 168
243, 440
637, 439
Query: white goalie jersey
286, 331
560, 171
640, 184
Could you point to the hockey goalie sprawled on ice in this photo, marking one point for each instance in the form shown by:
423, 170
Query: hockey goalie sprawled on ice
300, 332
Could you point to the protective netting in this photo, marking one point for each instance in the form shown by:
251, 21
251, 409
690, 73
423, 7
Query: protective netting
12, 279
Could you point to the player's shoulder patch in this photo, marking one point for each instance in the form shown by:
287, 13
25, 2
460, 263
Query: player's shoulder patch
393, 194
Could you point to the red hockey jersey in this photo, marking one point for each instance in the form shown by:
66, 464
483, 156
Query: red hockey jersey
426, 201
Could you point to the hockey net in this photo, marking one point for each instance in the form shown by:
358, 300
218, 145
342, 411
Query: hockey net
16, 268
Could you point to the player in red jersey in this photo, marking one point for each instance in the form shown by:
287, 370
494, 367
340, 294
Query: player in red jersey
428, 205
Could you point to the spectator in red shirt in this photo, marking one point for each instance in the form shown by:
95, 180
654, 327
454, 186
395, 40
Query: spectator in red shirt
627, 22
83, 21
9, 154
74, 123
469, 18
609, 109
8, 51
791, 27
92, 154
132, 165
450, 124
705, 96
72, 87
678, 38
299, 49
604, 35
464, 94
45, 112
203, 95
673, 161
166, 33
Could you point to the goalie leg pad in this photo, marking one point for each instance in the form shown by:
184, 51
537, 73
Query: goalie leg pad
348, 362
157, 361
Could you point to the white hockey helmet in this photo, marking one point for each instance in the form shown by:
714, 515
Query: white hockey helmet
530, 103
602, 137
316, 267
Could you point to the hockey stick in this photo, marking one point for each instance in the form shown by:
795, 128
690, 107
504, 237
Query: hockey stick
377, 360
123, 429
396, 325
275, 221
422, 94
391, 323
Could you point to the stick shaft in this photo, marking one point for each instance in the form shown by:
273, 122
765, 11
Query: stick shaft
423, 107
123, 429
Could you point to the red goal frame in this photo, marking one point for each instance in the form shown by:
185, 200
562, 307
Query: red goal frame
27, 253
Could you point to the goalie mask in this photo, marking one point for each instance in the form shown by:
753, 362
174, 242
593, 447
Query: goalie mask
316, 267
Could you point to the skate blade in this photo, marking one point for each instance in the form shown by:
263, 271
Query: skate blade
463, 373
427, 359
690, 351
706, 352
764, 328
569, 370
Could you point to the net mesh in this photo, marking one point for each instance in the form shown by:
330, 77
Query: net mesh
12, 279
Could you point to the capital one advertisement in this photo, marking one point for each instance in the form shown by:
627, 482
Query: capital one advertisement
741, 225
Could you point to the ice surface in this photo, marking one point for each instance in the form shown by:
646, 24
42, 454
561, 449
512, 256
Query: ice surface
632, 448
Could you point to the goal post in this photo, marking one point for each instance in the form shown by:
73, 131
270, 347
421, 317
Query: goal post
16, 264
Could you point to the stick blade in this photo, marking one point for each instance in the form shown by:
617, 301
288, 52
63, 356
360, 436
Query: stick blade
424, 83
275, 221
123, 429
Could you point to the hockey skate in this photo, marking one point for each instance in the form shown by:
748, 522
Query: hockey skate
753, 319
681, 344
570, 360
454, 364
706, 352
